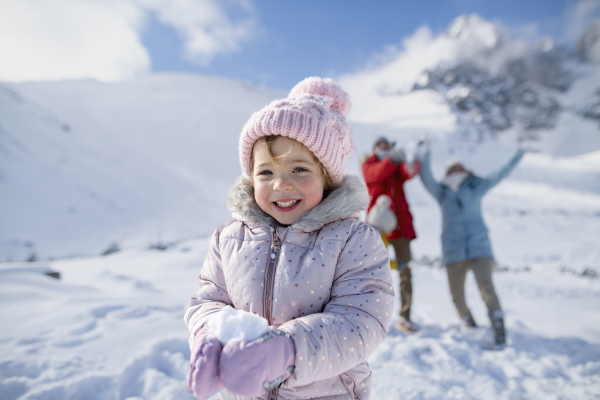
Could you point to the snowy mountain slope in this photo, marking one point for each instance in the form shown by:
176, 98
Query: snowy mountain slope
86, 164
149, 162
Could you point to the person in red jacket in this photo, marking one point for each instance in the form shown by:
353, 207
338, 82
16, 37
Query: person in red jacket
385, 172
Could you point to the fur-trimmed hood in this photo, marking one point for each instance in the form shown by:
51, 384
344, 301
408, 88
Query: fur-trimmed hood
346, 201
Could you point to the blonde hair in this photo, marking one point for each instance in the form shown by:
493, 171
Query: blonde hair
268, 142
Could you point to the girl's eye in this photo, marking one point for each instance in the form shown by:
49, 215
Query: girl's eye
265, 172
300, 169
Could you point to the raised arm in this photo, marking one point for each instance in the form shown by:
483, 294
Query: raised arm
427, 178
495, 177
375, 171
411, 170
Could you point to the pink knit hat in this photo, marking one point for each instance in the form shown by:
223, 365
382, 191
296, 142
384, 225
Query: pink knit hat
314, 114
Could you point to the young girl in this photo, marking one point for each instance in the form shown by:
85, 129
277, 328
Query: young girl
298, 255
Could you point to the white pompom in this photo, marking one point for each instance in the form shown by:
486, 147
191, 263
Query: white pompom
326, 88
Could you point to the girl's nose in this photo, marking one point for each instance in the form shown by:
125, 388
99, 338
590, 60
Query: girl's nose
283, 184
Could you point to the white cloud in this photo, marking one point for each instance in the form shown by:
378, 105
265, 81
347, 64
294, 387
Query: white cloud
209, 27
72, 39
468, 38
42, 40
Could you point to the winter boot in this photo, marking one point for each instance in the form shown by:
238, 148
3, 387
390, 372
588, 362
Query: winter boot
407, 326
469, 321
497, 320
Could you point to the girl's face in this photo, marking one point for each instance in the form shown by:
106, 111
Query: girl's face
289, 186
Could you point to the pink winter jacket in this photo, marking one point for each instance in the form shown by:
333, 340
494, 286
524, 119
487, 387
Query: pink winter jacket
325, 279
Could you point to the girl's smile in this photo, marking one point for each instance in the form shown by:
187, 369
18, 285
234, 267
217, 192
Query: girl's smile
287, 183
287, 205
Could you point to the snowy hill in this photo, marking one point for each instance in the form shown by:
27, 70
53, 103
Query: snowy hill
87, 168
87, 164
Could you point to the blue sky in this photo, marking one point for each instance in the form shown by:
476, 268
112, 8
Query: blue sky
329, 37
270, 42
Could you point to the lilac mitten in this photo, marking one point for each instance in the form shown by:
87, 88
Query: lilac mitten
252, 368
203, 377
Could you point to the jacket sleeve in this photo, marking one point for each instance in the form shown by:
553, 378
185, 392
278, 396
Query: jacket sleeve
427, 178
409, 171
495, 177
211, 295
355, 320
378, 171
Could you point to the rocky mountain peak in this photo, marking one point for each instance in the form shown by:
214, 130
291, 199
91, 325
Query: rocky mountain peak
588, 45
473, 30
516, 86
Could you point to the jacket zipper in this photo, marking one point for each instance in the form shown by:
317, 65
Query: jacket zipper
270, 278
273, 393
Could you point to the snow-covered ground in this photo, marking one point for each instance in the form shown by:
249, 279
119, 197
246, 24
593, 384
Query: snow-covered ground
112, 328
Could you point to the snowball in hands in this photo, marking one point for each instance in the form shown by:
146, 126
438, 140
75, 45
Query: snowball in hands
237, 325
255, 357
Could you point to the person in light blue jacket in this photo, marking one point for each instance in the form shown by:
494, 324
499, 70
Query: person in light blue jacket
465, 241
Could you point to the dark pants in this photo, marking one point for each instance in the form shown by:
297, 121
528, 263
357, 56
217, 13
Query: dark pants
403, 256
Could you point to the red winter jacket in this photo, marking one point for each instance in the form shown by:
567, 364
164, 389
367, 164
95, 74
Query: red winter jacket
384, 177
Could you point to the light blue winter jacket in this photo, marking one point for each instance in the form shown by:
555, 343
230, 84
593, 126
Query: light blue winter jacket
464, 233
